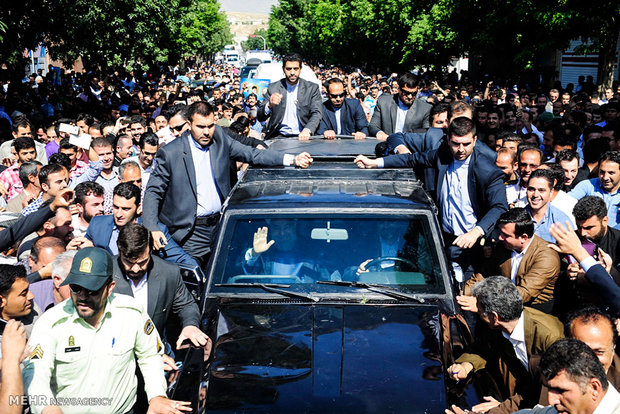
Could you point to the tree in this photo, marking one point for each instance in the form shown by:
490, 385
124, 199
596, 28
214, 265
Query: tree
255, 43
204, 29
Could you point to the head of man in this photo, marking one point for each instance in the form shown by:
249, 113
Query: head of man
462, 138
25, 149
137, 127
59, 225
29, 175
569, 162
408, 85
590, 214
609, 171
21, 128
529, 160
15, 295
84, 121
440, 113
510, 118
89, 200
134, 250
129, 172
574, 376
498, 301
149, 144
511, 142
160, 122
554, 94
125, 203
202, 123
516, 229
596, 329
336, 93
493, 117
123, 146
539, 188
90, 282
69, 150
541, 100
44, 251
53, 178
507, 162
459, 109
60, 269
291, 65
103, 149
284, 233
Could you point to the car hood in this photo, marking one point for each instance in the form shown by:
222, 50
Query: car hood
322, 358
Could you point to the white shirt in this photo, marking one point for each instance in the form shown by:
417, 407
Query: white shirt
140, 291
145, 172
565, 203
515, 262
401, 114
337, 112
610, 404
207, 196
517, 339
290, 122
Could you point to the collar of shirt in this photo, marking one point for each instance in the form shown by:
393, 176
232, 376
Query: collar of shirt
75, 317
291, 88
518, 334
193, 143
456, 164
402, 106
598, 187
140, 284
545, 217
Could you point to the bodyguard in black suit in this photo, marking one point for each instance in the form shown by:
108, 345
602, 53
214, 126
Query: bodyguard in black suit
192, 178
342, 116
402, 112
293, 105
165, 292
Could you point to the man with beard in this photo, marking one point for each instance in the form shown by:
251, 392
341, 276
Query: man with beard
89, 202
606, 186
88, 347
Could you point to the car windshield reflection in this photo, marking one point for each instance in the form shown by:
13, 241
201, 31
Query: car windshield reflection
386, 250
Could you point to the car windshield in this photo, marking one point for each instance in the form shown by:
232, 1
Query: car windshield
385, 250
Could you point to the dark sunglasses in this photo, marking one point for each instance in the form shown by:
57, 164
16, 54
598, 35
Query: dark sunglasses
408, 93
179, 128
77, 289
340, 95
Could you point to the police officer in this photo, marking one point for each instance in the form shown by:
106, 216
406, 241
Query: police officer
84, 350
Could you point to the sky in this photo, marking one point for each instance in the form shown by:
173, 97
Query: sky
248, 6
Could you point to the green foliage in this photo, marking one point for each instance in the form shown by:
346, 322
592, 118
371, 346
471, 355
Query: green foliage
256, 42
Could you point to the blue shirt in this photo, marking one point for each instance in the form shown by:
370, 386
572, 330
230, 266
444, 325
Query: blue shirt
457, 211
612, 200
552, 215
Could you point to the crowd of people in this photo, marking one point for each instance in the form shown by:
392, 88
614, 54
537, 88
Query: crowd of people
109, 185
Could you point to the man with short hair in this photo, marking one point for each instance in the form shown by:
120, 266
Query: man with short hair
342, 116
44, 251
123, 149
293, 105
89, 346
507, 162
149, 145
89, 203
103, 230
509, 336
16, 298
78, 167
569, 162
25, 150
29, 176
108, 176
539, 188
529, 160
53, 178
60, 269
156, 284
576, 381
402, 112
606, 186
22, 129
137, 126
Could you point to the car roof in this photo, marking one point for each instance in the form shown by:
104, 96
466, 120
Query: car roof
343, 148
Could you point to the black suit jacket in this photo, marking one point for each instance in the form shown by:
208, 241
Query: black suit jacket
606, 286
485, 186
384, 117
170, 195
309, 106
352, 118
166, 293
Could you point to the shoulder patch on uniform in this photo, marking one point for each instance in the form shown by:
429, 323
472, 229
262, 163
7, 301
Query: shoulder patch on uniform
37, 352
148, 327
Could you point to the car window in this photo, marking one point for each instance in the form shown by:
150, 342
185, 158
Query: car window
389, 250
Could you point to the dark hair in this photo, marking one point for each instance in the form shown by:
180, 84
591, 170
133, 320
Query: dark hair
101, 142
576, 359
8, 275
20, 122
441, 107
565, 141
240, 125
87, 188
138, 119
524, 147
128, 191
332, 81
27, 169
546, 174
148, 138
88, 119
587, 315
199, 108
498, 294
566, 155
461, 126
48, 169
133, 239
65, 144
23, 143
590, 206
508, 136
593, 149
44, 243
292, 57
522, 220
409, 80
558, 176
180, 109
612, 156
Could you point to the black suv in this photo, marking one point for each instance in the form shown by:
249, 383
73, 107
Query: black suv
329, 291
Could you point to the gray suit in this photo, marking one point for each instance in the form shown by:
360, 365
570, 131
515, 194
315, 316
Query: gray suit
384, 117
166, 292
170, 195
309, 107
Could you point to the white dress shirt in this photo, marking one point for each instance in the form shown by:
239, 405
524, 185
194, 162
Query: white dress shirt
517, 339
207, 195
290, 122
401, 114
515, 261
337, 112
141, 291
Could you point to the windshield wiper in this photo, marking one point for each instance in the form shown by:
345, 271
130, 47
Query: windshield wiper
272, 288
374, 288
